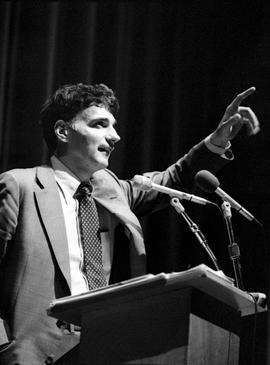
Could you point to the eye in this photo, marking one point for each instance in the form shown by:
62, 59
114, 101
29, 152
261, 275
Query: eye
100, 124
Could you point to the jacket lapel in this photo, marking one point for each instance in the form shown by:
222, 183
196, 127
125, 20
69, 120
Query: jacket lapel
108, 194
121, 210
49, 205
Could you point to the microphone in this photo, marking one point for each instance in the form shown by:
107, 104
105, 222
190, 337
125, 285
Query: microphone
209, 183
144, 183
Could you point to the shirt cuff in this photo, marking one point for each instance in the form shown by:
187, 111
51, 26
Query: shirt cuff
214, 148
223, 152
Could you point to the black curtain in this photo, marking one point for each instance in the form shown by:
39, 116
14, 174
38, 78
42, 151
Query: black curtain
175, 66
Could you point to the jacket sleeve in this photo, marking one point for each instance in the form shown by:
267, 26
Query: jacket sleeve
9, 209
179, 175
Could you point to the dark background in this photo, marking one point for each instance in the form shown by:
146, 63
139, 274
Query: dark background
175, 66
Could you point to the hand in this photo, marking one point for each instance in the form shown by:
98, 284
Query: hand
259, 298
234, 118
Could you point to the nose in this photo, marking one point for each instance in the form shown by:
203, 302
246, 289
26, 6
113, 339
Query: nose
113, 137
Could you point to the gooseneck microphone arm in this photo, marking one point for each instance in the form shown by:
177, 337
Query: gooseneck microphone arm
233, 247
144, 183
194, 229
210, 184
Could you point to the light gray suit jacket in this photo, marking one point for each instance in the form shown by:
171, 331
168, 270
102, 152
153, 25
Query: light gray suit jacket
33, 244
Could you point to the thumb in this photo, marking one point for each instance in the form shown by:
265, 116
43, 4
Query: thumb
233, 125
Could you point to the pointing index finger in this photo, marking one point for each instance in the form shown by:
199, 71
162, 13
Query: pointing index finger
240, 97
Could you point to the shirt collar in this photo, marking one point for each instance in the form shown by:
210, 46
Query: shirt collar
66, 180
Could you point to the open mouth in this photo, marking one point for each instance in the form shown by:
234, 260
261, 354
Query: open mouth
105, 149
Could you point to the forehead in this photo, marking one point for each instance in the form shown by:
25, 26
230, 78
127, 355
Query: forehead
97, 112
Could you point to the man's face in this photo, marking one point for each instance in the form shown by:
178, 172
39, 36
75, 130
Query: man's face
92, 137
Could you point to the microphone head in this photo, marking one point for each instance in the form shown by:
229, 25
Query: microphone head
141, 182
206, 181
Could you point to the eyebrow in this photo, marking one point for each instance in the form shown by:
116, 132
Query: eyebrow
103, 120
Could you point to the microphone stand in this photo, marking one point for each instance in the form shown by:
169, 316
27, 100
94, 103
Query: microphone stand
194, 229
233, 248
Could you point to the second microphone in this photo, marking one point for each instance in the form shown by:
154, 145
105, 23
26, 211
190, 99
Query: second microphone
144, 183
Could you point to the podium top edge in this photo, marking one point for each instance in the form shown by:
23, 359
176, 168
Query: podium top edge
201, 277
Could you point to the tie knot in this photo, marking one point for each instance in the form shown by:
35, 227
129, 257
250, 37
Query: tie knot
84, 189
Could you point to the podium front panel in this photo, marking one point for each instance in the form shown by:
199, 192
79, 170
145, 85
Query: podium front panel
165, 329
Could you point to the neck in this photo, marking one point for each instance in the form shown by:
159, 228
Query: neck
75, 167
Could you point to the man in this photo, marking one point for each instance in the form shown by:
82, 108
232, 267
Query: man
42, 234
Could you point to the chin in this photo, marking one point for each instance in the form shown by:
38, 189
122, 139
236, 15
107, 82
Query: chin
102, 165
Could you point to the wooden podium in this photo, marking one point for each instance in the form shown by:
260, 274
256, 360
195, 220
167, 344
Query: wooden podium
191, 317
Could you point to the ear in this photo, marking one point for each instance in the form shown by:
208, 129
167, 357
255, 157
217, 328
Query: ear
61, 130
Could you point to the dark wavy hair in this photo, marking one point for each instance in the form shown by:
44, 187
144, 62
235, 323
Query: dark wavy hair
70, 100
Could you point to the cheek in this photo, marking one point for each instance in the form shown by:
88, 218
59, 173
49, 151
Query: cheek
90, 143
84, 142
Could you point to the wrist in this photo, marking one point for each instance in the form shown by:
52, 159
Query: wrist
217, 147
224, 143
